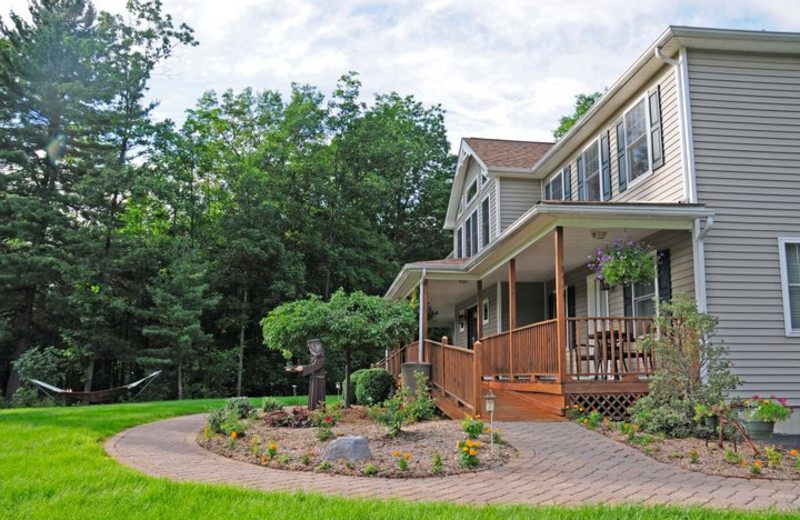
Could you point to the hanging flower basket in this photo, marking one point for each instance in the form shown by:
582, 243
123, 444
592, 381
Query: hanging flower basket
623, 263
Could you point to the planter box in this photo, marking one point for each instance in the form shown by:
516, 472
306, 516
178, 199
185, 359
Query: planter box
759, 430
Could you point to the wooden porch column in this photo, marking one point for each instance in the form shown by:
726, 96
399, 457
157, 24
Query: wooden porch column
423, 330
477, 365
561, 315
479, 329
512, 313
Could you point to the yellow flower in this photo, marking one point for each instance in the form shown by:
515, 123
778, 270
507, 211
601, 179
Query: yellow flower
396, 454
575, 406
488, 430
499, 430
472, 452
478, 416
407, 456
585, 421
469, 417
477, 443
233, 435
465, 449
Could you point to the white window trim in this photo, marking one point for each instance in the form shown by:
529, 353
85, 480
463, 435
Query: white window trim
787, 318
656, 294
485, 310
552, 178
596, 143
649, 172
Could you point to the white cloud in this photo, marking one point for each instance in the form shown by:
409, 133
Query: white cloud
501, 69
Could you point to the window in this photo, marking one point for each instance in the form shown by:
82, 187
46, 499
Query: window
643, 295
468, 238
485, 311
472, 191
789, 251
474, 228
485, 221
640, 299
640, 140
460, 244
589, 180
558, 187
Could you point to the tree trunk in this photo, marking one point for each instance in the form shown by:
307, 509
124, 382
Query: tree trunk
347, 379
23, 343
242, 328
87, 386
180, 382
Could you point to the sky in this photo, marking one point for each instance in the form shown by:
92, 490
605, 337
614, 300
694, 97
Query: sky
503, 69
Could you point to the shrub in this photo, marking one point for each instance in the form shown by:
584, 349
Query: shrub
421, 406
325, 465
355, 377
370, 469
392, 414
217, 418
472, 426
731, 457
683, 347
296, 418
374, 387
468, 453
774, 457
271, 405
240, 406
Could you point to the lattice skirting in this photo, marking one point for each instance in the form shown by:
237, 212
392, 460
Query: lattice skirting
613, 406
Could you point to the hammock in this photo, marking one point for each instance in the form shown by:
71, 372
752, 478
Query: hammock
99, 396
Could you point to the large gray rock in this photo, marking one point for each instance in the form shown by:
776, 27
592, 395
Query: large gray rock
350, 449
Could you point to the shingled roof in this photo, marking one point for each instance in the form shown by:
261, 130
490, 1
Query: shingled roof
500, 153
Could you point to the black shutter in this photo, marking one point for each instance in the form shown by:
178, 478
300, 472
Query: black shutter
467, 238
605, 165
664, 276
627, 297
485, 221
548, 193
581, 174
656, 133
459, 239
566, 177
474, 219
622, 165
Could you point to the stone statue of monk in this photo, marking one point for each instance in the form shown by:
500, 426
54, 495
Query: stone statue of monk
316, 370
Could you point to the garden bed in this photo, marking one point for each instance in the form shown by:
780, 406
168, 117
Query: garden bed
298, 449
706, 457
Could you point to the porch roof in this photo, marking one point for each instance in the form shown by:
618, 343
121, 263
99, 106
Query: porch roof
540, 220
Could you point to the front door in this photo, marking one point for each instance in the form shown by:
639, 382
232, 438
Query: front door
472, 326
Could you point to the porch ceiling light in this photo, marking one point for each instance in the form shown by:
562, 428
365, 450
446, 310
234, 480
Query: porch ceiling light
599, 234
461, 319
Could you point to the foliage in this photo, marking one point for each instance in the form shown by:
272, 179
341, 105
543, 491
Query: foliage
437, 465
375, 386
774, 457
694, 456
392, 413
682, 344
325, 418
270, 404
347, 323
592, 420
239, 406
624, 263
355, 377
370, 469
216, 419
325, 465
401, 460
472, 426
296, 418
468, 453
732, 457
421, 406
583, 102
773, 409
272, 450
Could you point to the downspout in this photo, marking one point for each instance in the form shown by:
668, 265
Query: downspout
699, 234
421, 342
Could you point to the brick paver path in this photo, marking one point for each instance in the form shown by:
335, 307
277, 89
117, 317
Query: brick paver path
558, 463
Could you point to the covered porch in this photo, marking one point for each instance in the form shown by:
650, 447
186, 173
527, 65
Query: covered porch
526, 318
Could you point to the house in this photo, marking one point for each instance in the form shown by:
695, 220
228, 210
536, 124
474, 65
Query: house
695, 150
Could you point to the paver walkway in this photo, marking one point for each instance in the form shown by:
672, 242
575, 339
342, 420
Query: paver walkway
558, 463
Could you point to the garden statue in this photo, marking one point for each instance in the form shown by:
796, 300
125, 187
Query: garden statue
316, 369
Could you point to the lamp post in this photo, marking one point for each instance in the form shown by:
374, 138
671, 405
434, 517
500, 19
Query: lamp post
338, 389
488, 402
294, 390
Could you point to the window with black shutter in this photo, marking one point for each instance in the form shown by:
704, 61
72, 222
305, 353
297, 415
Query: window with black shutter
579, 167
622, 164
459, 240
485, 221
640, 299
468, 238
474, 226
605, 165
656, 135
566, 175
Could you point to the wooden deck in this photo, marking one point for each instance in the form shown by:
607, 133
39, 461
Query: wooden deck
510, 407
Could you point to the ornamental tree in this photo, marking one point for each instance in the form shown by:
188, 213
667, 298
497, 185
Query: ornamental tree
348, 323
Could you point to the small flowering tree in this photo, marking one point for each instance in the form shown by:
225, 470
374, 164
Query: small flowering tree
624, 263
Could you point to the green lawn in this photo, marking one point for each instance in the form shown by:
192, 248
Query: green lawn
52, 466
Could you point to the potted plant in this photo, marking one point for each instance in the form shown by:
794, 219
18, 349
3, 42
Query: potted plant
623, 263
760, 415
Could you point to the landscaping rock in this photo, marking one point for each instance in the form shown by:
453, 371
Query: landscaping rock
351, 449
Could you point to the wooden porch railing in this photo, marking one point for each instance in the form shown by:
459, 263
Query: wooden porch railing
533, 352
606, 348
398, 356
452, 371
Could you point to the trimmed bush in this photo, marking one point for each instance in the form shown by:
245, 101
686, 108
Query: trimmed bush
240, 406
374, 386
355, 377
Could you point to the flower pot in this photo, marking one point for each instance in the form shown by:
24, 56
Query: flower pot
711, 422
759, 430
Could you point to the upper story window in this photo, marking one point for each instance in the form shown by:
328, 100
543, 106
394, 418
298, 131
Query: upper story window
474, 229
590, 182
485, 222
789, 251
459, 243
472, 191
640, 146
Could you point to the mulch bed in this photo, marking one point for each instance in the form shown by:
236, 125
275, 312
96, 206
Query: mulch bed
421, 441
710, 458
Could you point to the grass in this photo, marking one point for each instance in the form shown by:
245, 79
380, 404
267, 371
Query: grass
52, 466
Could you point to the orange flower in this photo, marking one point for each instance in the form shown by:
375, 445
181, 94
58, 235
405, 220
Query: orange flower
396, 454
472, 452
478, 416
470, 444
469, 417
488, 430
263, 459
477, 443
233, 435
635, 426
499, 430
744, 463
273, 446
407, 456
794, 453
758, 463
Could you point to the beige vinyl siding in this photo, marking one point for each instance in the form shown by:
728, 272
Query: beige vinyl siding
746, 127
490, 293
516, 197
531, 303
487, 189
666, 184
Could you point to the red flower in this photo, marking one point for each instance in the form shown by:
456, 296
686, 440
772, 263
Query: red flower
328, 419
